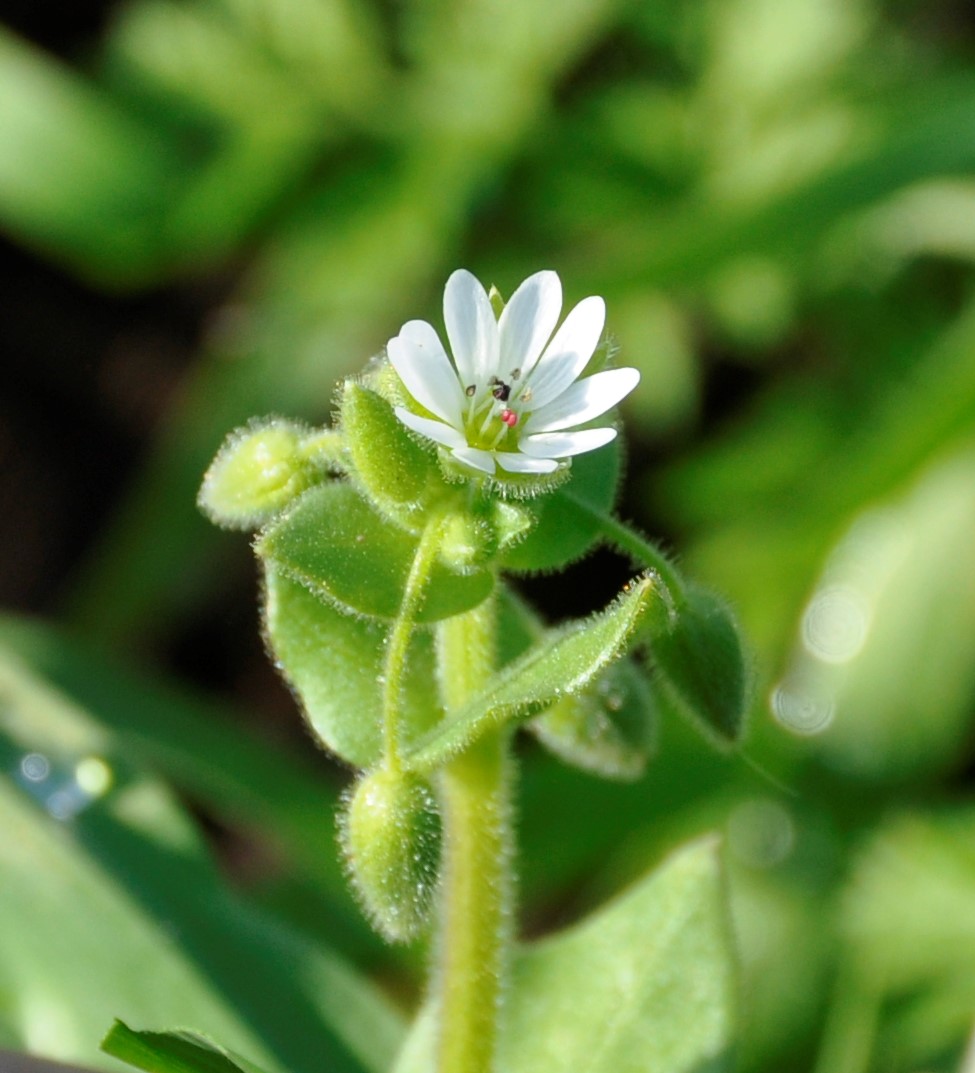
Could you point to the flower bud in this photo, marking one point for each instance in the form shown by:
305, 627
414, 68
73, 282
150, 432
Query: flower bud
257, 472
390, 832
392, 469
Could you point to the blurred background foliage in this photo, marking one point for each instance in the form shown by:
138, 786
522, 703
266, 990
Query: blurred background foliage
215, 208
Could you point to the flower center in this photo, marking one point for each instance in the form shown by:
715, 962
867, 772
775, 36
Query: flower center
494, 410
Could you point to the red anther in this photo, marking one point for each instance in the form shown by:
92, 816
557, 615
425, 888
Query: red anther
509, 417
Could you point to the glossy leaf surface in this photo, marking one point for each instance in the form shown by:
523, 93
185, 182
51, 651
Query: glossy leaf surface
98, 864
172, 1052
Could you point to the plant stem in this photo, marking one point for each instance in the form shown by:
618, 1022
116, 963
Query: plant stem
398, 642
628, 540
477, 886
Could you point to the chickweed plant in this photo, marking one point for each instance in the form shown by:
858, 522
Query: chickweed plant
387, 543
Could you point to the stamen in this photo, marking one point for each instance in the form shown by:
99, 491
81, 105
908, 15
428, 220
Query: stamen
470, 390
509, 417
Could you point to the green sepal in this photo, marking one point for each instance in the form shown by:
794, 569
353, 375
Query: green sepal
392, 468
647, 983
172, 1052
609, 729
700, 667
391, 833
332, 541
561, 664
334, 663
562, 533
260, 469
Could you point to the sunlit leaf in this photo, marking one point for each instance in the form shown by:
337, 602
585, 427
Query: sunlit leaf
564, 662
646, 983
335, 661
335, 544
172, 1052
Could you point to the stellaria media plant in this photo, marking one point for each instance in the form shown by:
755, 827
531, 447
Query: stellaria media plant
387, 541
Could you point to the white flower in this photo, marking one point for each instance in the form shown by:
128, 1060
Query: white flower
512, 395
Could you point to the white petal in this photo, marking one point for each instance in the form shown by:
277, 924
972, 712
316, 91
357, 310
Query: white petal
564, 444
476, 458
472, 328
433, 430
519, 463
527, 322
428, 375
583, 400
569, 352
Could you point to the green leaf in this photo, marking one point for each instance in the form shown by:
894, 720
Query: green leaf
646, 983
700, 666
334, 662
608, 729
110, 906
561, 534
203, 749
172, 1052
564, 662
333, 542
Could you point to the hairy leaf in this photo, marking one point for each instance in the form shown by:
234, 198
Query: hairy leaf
334, 663
564, 662
645, 984
334, 543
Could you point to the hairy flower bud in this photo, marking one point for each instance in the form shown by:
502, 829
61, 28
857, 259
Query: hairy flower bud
390, 832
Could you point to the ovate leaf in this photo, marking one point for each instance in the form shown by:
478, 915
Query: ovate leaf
336, 545
563, 663
334, 663
645, 985
700, 666
172, 1052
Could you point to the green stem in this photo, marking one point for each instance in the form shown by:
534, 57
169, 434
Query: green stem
398, 642
633, 544
477, 886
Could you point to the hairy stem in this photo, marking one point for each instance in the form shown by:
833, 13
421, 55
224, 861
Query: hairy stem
629, 541
477, 887
398, 642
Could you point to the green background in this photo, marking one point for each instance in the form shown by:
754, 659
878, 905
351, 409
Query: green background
215, 208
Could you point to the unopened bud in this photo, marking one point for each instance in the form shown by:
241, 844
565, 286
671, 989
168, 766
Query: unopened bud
257, 472
390, 831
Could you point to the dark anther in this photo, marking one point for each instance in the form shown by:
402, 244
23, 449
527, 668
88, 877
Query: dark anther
469, 390
501, 391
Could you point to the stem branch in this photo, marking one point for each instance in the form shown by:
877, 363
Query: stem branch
628, 540
398, 642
